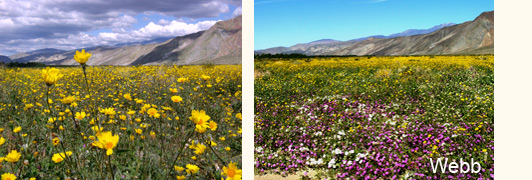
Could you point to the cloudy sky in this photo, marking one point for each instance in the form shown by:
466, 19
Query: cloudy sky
288, 22
27, 25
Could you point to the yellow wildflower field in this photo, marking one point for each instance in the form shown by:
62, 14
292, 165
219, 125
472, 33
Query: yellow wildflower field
106, 122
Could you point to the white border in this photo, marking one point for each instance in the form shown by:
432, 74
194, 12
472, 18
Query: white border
248, 107
513, 89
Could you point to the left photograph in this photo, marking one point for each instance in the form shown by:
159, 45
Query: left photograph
114, 90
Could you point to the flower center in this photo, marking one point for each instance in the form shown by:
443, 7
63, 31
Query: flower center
59, 159
231, 173
109, 145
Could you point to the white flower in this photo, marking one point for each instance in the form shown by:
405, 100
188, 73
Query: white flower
258, 149
341, 133
332, 163
349, 152
337, 151
314, 162
360, 156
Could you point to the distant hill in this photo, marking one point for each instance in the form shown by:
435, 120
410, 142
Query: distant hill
4, 59
220, 44
152, 41
471, 37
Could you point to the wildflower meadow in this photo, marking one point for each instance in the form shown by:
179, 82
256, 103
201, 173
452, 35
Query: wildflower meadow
107, 122
374, 117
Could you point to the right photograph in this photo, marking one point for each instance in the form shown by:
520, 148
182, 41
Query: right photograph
374, 89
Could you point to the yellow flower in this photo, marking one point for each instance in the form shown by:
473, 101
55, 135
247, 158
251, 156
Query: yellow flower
222, 138
1, 130
52, 120
205, 78
130, 112
107, 141
232, 172
33, 178
55, 141
181, 80
239, 116
213, 125
17, 129
8, 176
173, 90
122, 117
81, 115
108, 111
51, 75
97, 129
153, 112
182, 177
82, 57
13, 156
138, 131
2, 140
28, 106
68, 100
152, 134
201, 120
179, 168
127, 96
199, 149
192, 169
58, 157
177, 99
227, 148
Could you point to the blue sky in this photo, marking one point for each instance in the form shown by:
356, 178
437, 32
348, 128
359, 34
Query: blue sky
73, 24
288, 22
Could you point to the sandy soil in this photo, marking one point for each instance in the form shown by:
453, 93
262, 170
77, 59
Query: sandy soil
297, 176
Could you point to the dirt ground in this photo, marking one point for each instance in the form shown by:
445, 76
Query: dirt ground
297, 176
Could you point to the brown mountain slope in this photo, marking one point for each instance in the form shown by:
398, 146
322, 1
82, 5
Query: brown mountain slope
221, 44
471, 37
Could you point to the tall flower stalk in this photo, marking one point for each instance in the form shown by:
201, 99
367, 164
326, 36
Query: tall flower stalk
82, 58
50, 77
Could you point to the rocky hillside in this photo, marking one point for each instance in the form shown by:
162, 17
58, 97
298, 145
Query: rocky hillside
471, 37
221, 44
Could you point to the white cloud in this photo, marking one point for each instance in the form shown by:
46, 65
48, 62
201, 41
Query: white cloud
163, 22
25, 24
82, 40
237, 11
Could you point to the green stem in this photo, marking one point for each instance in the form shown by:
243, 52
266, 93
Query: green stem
110, 167
90, 95
180, 151
210, 147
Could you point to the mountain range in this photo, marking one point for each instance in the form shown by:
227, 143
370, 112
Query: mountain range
220, 44
471, 37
